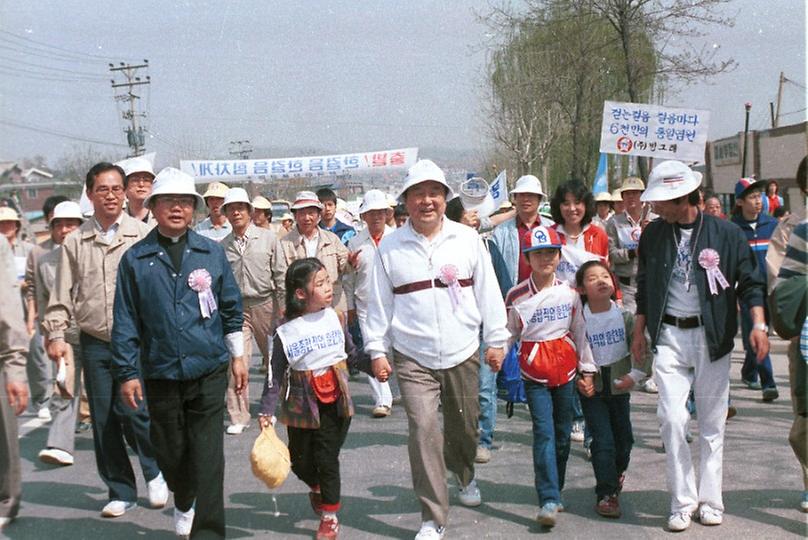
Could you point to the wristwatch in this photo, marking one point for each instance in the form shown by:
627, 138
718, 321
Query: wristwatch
761, 326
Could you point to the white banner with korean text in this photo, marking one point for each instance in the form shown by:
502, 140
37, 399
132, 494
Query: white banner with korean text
265, 169
657, 131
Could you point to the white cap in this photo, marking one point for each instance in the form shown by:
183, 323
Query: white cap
528, 184
670, 180
9, 214
171, 181
66, 210
475, 195
306, 199
136, 164
424, 170
237, 194
373, 200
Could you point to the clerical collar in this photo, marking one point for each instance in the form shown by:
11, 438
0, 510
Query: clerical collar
170, 239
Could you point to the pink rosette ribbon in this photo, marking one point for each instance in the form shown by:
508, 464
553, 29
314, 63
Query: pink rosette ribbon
709, 259
448, 276
199, 280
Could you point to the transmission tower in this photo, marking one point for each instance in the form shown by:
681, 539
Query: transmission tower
242, 149
125, 93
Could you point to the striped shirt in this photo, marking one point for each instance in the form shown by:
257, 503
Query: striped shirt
794, 264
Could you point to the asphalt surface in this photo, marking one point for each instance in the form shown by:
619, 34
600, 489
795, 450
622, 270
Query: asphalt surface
762, 483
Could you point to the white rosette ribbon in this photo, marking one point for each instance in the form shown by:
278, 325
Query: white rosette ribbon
709, 259
199, 280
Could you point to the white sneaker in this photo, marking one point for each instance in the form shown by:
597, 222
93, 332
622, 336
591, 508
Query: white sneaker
710, 516
44, 414
470, 495
381, 411
649, 386
679, 521
116, 508
577, 434
55, 456
483, 455
158, 491
183, 521
236, 429
429, 531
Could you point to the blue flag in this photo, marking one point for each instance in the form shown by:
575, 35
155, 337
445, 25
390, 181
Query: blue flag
602, 176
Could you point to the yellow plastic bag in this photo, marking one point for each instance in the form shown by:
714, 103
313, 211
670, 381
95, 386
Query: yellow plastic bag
270, 458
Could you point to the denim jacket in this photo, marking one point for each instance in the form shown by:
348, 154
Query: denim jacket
656, 257
158, 323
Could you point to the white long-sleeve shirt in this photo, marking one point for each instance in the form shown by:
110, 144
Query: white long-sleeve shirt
425, 324
357, 283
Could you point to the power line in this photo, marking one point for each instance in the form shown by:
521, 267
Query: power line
34, 44
11, 72
51, 68
32, 72
58, 133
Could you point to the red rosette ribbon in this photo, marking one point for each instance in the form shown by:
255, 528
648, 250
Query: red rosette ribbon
709, 260
200, 281
448, 276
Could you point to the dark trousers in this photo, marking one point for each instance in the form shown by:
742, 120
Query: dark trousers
315, 454
608, 417
114, 422
186, 429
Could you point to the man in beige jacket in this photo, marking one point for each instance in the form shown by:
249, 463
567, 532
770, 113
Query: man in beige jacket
250, 250
84, 289
306, 239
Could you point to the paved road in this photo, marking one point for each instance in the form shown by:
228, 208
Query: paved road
762, 485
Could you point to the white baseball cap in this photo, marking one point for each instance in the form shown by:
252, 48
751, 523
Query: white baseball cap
373, 200
528, 184
424, 170
66, 210
670, 180
235, 195
171, 181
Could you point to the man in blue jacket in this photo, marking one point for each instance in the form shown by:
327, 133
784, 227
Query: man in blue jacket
758, 226
692, 270
178, 318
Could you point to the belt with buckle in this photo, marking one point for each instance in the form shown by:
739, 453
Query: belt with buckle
428, 284
685, 323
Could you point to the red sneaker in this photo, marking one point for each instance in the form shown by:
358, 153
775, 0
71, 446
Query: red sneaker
608, 506
329, 528
316, 500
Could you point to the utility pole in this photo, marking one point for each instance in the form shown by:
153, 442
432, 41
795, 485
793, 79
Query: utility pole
783, 80
134, 133
242, 149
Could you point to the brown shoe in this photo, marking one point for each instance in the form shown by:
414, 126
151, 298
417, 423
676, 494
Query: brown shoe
608, 506
316, 500
329, 528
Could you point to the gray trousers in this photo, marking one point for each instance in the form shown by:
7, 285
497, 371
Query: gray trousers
10, 483
62, 432
39, 369
431, 449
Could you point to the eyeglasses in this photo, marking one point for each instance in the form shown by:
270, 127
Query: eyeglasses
141, 179
105, 190
171, 201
